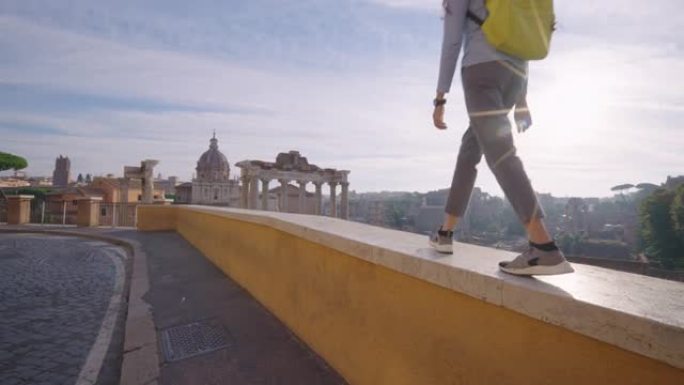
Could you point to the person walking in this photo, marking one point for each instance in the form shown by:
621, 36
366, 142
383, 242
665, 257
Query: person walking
494, 82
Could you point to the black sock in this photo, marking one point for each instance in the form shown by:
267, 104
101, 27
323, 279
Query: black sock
445, 233
551, 246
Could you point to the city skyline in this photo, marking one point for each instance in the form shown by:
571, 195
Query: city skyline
346, 83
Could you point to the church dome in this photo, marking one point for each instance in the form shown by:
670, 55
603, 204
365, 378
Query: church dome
213, 166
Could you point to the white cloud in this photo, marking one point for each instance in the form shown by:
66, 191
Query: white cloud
422, 4
332, 119
373, 120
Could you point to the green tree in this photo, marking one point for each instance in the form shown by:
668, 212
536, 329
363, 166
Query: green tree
39, 192
677, 213
622, 187
511, 223
658, 232
571, 244
12, 162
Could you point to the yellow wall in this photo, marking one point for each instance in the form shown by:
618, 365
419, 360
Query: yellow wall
156, 217
377, 326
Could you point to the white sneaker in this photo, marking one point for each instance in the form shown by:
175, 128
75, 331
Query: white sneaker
442, 241
537, 262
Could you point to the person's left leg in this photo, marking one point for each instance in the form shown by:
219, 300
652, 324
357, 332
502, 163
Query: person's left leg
537, 231
490, 94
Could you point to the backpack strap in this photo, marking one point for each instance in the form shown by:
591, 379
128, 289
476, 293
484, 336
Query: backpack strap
470, 15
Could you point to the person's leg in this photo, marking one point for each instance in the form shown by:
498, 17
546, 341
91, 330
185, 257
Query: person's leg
463, 181
536, 230
491, 91
485, 86
450, 221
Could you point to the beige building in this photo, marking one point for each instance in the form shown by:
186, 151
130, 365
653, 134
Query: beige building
168, 185
40, 181
213, 185
13, 182
183, 193
122, 190
64, 201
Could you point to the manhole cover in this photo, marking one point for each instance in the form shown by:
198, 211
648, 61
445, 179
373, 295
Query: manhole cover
193, 339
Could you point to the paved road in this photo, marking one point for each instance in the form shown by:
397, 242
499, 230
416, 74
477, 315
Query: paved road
55, 293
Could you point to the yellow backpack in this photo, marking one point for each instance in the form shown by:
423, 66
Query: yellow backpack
520, 28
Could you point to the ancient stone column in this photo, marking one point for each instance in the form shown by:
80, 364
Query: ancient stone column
244, 192
18, 209
147, 168
302, 196
253, 193
333, 199
264, 194
319, 198
282, 198
344, 201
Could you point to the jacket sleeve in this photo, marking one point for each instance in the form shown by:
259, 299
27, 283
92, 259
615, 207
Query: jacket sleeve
454, 20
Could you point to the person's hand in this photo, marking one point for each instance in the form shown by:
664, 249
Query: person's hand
523, 118
438, 118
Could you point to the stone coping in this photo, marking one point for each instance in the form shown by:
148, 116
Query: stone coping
641, 314
19, 196
93, 199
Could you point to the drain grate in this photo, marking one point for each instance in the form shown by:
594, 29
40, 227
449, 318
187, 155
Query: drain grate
185, 341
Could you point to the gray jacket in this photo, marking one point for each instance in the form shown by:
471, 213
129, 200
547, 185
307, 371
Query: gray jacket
457, 29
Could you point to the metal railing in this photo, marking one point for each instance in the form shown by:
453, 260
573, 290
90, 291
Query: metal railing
118, 214
66, 212
3, 211
53, 212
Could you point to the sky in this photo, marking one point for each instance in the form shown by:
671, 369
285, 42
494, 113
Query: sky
348, 83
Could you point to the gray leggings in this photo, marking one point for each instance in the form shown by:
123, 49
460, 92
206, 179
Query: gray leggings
491, 90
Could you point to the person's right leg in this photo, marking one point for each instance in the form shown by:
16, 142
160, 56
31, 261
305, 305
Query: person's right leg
463, 181
469, 155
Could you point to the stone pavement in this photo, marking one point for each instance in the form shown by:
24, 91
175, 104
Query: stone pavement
54, 295
186, 288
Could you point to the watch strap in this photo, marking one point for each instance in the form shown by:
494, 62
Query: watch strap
439, 102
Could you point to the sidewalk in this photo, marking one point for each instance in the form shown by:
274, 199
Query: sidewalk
251, 345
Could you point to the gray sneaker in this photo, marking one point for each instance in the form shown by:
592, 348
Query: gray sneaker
537, 262
442, 241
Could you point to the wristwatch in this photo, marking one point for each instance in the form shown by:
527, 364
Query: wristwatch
439, 102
